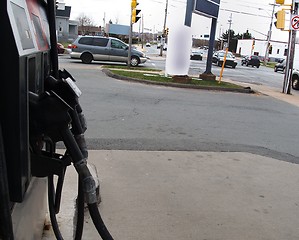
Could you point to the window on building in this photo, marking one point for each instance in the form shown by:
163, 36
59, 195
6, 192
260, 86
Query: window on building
285, 52
270, 49
277, 51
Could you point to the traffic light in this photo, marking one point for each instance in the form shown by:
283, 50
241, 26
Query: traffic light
279, 2
166, 31
135, 11
253, 44
280, 19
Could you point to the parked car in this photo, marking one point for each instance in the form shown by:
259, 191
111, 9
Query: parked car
165, 46
60, 48
280, 66
98, 48
295, 79
196, 54
159, 45
147, 44
251, 60
218, 58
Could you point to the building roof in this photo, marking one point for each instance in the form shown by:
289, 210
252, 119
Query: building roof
64, 13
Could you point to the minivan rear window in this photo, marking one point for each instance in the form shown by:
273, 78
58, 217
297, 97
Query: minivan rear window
100, 42
85, 40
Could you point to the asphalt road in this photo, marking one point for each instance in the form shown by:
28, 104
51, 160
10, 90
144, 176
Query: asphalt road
252, 75
133, 116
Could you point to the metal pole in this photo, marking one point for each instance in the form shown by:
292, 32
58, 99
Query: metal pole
291, 52
189, 10
130, 42
211, 46
142, 38
229, 29
269, 36
164, 26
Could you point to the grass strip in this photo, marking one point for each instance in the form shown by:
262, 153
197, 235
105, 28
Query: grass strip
162, 78
125, 67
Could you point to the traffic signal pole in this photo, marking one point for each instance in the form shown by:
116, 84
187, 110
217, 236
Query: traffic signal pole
291, 52
130, 42
133, 19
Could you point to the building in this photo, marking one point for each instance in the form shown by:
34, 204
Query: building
67, 30
277, 50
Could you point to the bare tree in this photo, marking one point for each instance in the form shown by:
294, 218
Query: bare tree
85, 23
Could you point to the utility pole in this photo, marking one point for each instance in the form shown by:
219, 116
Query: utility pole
164, 27
269, 34
142, 27
104, 23
229, 29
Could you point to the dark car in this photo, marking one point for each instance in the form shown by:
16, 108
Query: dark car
251, 60
60, 48
218, 58
280, 66
196, 54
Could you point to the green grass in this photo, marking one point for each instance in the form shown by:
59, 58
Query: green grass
140, 68
161, 78
270, 64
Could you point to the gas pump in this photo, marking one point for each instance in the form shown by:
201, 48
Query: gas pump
40, 107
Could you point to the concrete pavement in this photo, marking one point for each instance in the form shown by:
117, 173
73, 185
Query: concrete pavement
189, 195
180, 195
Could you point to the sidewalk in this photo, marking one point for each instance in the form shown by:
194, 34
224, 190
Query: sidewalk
189, 196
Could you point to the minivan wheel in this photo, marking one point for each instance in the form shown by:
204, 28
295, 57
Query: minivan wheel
295, 82
86, 58
134, 61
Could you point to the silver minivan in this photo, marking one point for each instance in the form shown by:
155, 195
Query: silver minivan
98, 48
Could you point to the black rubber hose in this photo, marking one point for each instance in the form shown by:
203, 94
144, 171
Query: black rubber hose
53, 40
98, 221
52, 210
77, 158
6, 228
80, 211
58, 191
51, 197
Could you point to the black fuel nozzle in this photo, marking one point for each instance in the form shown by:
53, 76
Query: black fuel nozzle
66, 88
48, 113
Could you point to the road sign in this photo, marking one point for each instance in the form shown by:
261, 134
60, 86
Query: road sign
295, 22
207, 8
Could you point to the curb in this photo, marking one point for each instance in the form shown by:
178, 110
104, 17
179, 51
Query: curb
178, 85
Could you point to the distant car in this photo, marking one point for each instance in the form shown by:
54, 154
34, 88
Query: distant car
196, 54
98, 48
164, 46
60, 48
280, 66
159, 45
251, 60
147, 44
218, 58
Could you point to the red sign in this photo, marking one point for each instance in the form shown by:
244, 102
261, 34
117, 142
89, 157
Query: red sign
295, 22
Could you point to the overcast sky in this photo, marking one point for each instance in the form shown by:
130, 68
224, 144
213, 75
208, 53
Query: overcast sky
254, 16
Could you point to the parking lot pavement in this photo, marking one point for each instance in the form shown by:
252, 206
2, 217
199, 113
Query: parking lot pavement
190, 196
271, 91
